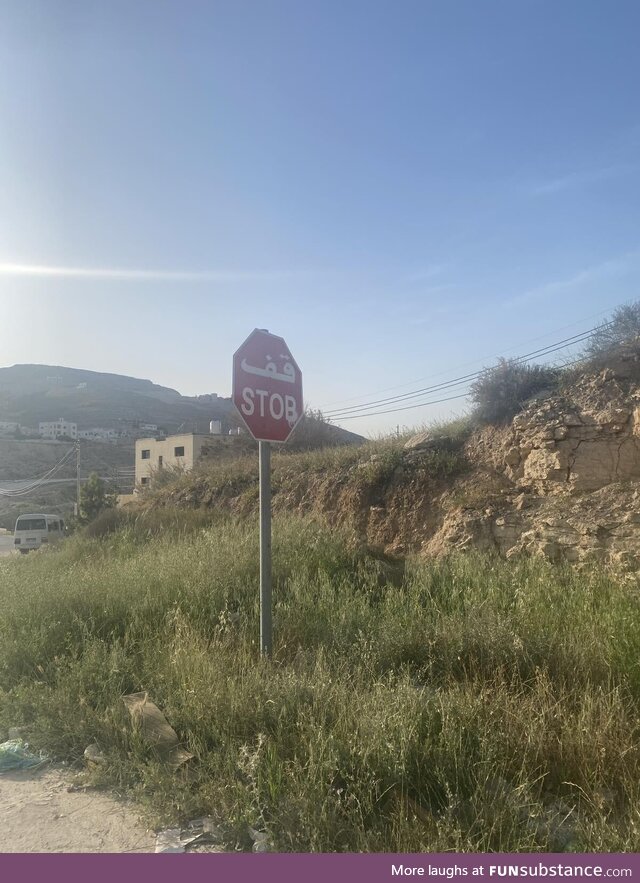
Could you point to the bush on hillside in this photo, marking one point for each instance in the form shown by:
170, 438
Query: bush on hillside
107, 522
95, 498
500, 392
314, 432
620, 335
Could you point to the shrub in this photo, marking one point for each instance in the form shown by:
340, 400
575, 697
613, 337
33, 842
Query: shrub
94, 498
314, 432
621, 334
107, 522
500, 392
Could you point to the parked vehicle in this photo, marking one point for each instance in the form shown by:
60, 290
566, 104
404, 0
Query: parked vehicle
33, 531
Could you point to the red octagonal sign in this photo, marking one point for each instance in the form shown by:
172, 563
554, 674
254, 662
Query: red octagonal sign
267, 387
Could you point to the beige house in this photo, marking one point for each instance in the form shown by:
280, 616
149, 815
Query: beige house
175, 450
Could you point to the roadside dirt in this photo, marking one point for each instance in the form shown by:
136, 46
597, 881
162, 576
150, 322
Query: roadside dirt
38, 813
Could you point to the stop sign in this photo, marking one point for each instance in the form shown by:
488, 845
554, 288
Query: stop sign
267, 387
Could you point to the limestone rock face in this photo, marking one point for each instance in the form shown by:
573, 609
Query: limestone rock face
580, 441
602, 525
571, 466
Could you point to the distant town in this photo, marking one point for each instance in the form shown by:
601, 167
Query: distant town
65, 430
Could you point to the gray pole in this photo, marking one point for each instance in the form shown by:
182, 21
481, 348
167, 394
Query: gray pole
78, 478
265, 549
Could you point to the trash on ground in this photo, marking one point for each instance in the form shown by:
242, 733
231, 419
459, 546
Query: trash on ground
207, 829
200, 832
15, 755
155, 729
261, 840
93, 754
169, 841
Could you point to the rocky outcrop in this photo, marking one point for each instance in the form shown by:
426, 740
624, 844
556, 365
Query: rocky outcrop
602, 526
578, 442
571, 462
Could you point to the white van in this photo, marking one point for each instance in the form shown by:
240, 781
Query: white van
32, 531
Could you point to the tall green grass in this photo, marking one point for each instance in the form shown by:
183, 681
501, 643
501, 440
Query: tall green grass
465, 704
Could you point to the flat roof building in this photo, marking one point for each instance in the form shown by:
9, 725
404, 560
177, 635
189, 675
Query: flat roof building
152, 454
58, 428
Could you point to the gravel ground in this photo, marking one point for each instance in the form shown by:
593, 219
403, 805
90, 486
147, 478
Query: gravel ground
39, 813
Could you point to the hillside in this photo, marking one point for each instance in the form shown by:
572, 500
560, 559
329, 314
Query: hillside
561, 480
32, 458
31, 393
443, 677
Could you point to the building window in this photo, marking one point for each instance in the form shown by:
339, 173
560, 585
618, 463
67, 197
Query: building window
178, 452
144, 481
160, 459
146, 455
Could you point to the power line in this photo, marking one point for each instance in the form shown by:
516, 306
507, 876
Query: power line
406, 408
481, 359
38, 482
424, 404
55, 468
458, 381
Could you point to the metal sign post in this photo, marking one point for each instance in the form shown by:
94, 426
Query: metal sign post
267, 392
266, 627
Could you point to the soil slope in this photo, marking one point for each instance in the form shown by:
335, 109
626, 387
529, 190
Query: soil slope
562, 480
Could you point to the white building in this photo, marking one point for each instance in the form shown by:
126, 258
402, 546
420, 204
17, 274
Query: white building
8, 428
58, 428
99, 434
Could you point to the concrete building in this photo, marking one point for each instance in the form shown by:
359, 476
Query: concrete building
182, 450
7, 427
99, 434
58, 428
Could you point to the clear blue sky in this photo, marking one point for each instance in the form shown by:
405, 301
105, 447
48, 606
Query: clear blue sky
398, 188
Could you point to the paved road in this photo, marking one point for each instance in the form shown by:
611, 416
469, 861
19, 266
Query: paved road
6, 544
23, 483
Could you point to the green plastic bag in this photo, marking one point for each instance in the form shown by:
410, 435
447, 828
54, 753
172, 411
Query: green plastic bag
15, 755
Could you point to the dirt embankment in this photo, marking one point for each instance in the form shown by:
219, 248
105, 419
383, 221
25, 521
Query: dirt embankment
562, 480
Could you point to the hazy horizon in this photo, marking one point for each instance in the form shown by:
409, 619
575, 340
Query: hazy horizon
402, 191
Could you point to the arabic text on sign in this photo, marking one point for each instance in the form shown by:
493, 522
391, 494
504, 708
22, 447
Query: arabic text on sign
288, 373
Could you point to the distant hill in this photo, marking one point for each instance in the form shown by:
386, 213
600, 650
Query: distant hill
31, 393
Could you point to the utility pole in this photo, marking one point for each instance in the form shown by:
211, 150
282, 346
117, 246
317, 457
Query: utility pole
78, 478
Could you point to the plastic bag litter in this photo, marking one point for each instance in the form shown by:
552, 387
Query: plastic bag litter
15, 755
155, 729
261, 840
93, 755
170, 841
198, 833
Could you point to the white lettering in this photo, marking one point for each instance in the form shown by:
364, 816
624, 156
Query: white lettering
275, 398
248, 408
291, 410
262, 394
